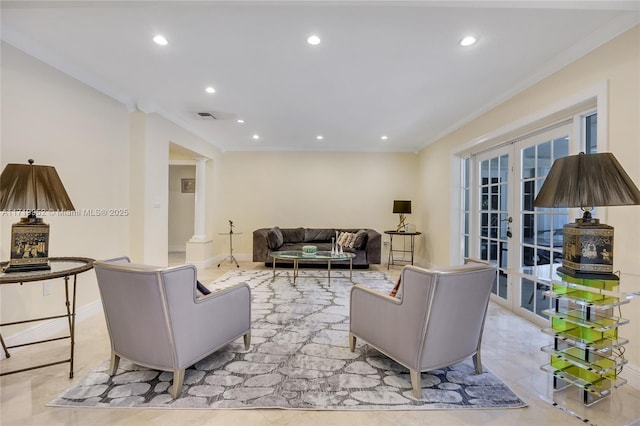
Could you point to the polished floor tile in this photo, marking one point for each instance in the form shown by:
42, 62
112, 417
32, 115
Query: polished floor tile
511, 350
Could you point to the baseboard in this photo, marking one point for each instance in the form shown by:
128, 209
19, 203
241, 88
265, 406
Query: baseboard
178, 248
203, 264
47, 329
632, 374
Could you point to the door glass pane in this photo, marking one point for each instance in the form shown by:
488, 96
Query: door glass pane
543, 159
532, 297
591, 133
529, 162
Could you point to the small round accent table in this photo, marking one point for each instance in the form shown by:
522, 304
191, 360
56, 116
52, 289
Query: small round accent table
393, 261
61, 267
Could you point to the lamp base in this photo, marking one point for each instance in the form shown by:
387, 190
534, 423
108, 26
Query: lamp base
588, 275
27, 268
402, 226
29, 246
587, 247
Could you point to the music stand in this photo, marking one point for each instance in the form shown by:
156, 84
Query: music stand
231, 258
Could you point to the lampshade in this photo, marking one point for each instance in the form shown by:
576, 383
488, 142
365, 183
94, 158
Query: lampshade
402, 206
587, 180
28, 187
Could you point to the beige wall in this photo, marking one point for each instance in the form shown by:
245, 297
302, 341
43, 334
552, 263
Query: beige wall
618, 64
57, 121
350, 190
181, 207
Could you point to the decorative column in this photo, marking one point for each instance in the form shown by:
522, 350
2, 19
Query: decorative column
199, 248
199, 234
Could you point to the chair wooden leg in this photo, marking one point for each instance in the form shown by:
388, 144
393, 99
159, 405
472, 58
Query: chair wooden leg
477, 362
352, 342
416, 383
178, 380
247, 341
113, 364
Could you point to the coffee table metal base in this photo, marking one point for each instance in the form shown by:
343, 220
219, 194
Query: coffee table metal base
297, 256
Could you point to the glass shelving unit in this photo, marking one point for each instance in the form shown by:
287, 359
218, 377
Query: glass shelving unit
586, 351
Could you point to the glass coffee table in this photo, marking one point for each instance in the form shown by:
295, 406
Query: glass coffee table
320, 256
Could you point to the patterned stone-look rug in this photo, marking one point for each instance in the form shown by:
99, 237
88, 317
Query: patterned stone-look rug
299, 359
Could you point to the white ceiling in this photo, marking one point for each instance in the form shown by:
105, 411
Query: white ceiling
382, 68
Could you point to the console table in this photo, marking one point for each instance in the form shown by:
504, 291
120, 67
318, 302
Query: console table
61, 267
411, 235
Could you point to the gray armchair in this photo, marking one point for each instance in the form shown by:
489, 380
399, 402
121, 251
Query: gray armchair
156, 319
436, 321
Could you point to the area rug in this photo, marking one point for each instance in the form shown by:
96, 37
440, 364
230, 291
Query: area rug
299, 359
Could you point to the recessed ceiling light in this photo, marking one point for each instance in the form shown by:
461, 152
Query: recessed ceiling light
313, 40
240, 121
160, 40
319, 137
384, 138
468, 41
256, 136
210, 90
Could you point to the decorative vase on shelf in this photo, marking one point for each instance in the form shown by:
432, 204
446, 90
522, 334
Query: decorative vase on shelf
340, 252
333, 246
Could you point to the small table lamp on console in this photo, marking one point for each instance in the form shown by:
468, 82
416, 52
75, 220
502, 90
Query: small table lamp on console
402, 207
29, 188
587, 181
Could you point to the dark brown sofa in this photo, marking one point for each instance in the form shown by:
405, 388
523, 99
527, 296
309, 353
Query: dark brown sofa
367, 246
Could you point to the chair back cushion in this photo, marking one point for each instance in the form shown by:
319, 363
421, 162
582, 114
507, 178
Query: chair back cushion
135, 311
456, 318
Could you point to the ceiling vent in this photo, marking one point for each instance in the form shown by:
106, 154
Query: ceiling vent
207, 115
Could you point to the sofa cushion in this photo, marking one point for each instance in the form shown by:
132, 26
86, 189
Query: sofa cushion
275, 238
318, 234
360, 240
293, 235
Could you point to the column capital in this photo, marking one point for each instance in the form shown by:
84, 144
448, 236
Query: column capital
201, 159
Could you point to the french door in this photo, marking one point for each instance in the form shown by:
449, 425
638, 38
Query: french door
494, 219
524, 242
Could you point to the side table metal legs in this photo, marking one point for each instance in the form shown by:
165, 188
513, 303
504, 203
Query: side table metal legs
4, 347
70, 304
392, 260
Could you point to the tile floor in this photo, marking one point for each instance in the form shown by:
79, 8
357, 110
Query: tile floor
511, 350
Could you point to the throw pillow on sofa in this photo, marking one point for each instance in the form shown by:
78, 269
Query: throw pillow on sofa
351, 240
293, 235
275, 238
343, 238
360, 239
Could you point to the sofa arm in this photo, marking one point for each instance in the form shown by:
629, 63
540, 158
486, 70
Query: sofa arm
374, 246
261, 245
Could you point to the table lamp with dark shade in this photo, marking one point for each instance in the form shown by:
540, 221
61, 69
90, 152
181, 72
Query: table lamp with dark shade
28, 188
402, 207
587, 181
